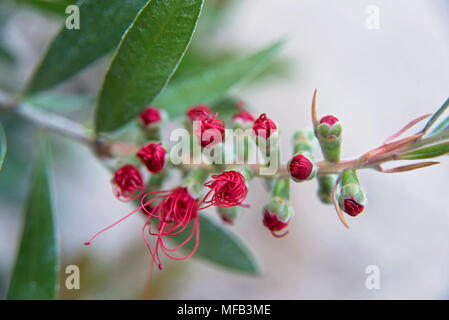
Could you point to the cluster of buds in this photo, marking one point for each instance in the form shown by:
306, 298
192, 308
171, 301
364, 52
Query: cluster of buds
176, 211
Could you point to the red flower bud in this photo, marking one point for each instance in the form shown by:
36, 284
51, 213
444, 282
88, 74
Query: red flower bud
272, 222
243, 115
208, 139
264, 126
150, 116
330, 120
300, 167
197, 112
352, 207
227, 189
153, 157
127, 183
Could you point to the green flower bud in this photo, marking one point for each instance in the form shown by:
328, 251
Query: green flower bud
351, 197
329, 132
194, 182
230, 215
277, 215
278, 212
325, 186
303, 140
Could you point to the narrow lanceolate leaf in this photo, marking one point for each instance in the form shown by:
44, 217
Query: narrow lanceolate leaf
427, 152
436, 115
35, 274
3, 146
147, 57
102, 24
214, 82
221, 246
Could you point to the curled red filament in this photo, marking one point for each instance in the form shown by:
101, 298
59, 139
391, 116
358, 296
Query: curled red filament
127, 183
272, 222
300, 167
264, 127
153, 157
150, 115
227, 189
171, 211
352, 207
330, 120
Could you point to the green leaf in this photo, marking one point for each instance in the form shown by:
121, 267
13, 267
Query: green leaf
3, 146
436, 115
147, 57
213, 83
102, 24
428, 152
221, 246
6, 56
36, 272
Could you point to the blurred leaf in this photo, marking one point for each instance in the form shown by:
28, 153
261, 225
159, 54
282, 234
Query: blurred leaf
225, 108
214, 82
60, 102
221, 246
35, 274
55, 7
145, 60
3, 146
102, 24
428, 152
6, 56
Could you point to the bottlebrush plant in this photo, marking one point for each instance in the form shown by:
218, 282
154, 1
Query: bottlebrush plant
223, 146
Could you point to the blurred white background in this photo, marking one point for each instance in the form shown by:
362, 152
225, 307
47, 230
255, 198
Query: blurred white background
375, 81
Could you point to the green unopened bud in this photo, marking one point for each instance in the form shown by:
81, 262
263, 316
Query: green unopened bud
329, 132
303, 140
230, 215
278, 212
325, 186
194, 182
351, 198
277, 215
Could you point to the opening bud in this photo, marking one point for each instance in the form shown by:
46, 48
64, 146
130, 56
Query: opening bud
197, 112
153, 157
243, 119
264, 127
127, 183
351, 198
302, 167
230, 215
151, 116
329, 132
211, 131
277, 215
